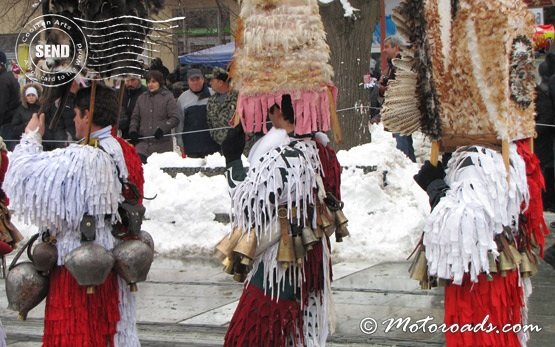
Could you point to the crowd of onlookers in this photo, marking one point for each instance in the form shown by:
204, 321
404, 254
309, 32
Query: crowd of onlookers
156, 108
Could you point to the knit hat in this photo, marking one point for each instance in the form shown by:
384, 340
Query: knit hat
31, 90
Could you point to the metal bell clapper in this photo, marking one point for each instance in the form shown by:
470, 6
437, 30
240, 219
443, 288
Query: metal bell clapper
225, 247
133, 261
298, 245
246, 247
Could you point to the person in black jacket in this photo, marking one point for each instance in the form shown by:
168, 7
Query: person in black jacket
543, 144
29, 105
133, 89
9, 99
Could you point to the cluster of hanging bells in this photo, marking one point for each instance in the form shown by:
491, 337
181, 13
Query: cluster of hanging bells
510, 258
237, 250
27, 282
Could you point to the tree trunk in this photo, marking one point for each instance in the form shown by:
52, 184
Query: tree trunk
350, 42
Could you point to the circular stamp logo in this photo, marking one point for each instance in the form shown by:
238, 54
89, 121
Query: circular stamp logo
51, 50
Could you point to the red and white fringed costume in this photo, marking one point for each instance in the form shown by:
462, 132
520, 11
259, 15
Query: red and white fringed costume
283, 304
4, 247
54, 190
465, 231
533, 222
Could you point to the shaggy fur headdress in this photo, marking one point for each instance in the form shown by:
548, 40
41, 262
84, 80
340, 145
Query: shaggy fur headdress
281, 49
468, 74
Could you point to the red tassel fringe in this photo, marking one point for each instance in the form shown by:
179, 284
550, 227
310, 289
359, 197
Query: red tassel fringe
534, 224
331, 168
134, 168
75, 318
262, 322
313, 270
470, 303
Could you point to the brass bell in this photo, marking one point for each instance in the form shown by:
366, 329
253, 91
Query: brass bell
492, 263
309, 237
505, 264
319, 233
246, 247
239, 277
419, 267
342, 231
340, 218
300, 252
228, 265
525, 266
327, 226
227, 244
286, 252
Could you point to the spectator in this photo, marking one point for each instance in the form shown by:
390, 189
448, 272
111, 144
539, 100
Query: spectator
155, 114
221, 105
133, 89
29, 105
543, 144
9, 99
192, 112
157, 64
392, 50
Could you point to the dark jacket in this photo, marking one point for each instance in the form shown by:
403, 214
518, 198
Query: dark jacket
545, 108
21, 117
153, 111
128, 105
193, 116
9, 96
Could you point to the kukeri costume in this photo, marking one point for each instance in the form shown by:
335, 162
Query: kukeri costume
279, 245
55, 190
467, 82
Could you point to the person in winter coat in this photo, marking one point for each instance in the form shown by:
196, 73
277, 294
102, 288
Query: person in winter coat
543, 144
193, 117
133, 89
9, 98
155, 114
29, 105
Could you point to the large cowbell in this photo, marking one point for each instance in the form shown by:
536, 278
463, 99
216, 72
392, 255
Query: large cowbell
90, 264
133, 260
25, 286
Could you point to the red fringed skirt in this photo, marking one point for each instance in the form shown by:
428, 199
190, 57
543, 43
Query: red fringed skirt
470, 303
74, 318
262, 322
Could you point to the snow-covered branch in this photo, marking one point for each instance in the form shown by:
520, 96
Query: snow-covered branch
349, 9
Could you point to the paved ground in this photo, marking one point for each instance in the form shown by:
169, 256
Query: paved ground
189, 303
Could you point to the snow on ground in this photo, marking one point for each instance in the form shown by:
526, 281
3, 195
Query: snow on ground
385, 208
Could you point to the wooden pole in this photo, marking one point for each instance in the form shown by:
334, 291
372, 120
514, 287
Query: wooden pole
121, 94
505, 153
383, 58
91, 112
434, 155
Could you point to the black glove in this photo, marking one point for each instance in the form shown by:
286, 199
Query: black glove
134, 137
233, 145
158, 134
429, 173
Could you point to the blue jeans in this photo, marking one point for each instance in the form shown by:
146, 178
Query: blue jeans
404, 144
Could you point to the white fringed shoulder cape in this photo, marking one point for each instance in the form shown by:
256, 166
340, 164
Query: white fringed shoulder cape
480, 201
53, 190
